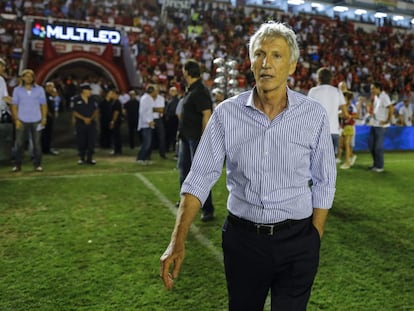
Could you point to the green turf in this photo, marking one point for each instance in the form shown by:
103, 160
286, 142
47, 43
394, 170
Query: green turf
90, 237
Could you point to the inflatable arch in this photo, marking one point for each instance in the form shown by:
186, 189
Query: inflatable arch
53, 62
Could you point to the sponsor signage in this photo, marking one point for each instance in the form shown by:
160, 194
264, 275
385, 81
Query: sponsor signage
77, 34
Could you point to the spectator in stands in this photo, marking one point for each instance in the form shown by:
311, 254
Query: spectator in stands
131, 108
29, 110
52, 111
84, 116
380, 120
331, 99
146, 125
281, 175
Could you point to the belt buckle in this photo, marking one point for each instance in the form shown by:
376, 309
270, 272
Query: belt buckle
270, 227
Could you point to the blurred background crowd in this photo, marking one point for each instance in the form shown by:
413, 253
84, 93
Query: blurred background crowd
357, 56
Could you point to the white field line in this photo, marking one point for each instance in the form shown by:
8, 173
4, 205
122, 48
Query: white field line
194, 229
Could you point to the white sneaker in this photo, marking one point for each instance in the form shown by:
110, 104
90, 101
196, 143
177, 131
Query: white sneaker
353, 159
344, 166
337, 160
377, 169
140, 162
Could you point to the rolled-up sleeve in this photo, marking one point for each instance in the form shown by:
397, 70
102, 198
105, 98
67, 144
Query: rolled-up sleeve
323, 168
208, 161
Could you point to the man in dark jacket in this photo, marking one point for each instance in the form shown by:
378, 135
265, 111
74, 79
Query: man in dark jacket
196, 111
132, 111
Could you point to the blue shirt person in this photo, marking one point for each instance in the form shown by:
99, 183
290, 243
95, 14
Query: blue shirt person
281, 176
29, 110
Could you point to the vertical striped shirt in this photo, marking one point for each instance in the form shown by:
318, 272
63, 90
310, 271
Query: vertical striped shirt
276, 169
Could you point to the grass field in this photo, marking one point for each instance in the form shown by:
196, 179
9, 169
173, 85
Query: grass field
90, 237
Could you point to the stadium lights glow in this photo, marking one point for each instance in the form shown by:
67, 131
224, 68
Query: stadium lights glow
340, 8
398, 18
316, 5
296, 2
360, 12
380, 15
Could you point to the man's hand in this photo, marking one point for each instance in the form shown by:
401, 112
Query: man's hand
319, 219
18, 124
171, 259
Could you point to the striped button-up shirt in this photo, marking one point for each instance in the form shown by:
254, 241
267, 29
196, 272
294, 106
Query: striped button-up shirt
276, 169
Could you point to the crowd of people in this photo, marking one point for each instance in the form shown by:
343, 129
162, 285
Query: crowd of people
355, 57
281, 169
213, 30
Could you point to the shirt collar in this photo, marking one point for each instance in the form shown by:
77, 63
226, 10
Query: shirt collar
290, 95
194, 85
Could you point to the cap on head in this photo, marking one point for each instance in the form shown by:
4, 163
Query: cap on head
217, 91
85, 86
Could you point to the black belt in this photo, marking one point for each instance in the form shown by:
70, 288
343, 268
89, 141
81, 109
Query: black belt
265, 229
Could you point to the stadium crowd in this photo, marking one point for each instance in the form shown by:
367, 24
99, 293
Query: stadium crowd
216, 29
221, 30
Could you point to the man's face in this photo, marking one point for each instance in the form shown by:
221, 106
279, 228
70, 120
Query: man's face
374, 90
27, 78
49, 88
271, 63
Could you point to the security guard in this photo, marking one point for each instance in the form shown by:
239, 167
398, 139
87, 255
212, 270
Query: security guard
85, 113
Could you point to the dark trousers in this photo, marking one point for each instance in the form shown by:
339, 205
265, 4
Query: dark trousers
28, 131
186, 153
132, 134
159, 133
376, 145
47, 135
105, 135
86, 138
171, 127
117, 139
285, 263
144, 153
335, 141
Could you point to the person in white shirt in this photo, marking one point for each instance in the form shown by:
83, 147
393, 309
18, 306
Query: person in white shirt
5, 99
159, 126
381, 119
405, 114
146, 125
331, 99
